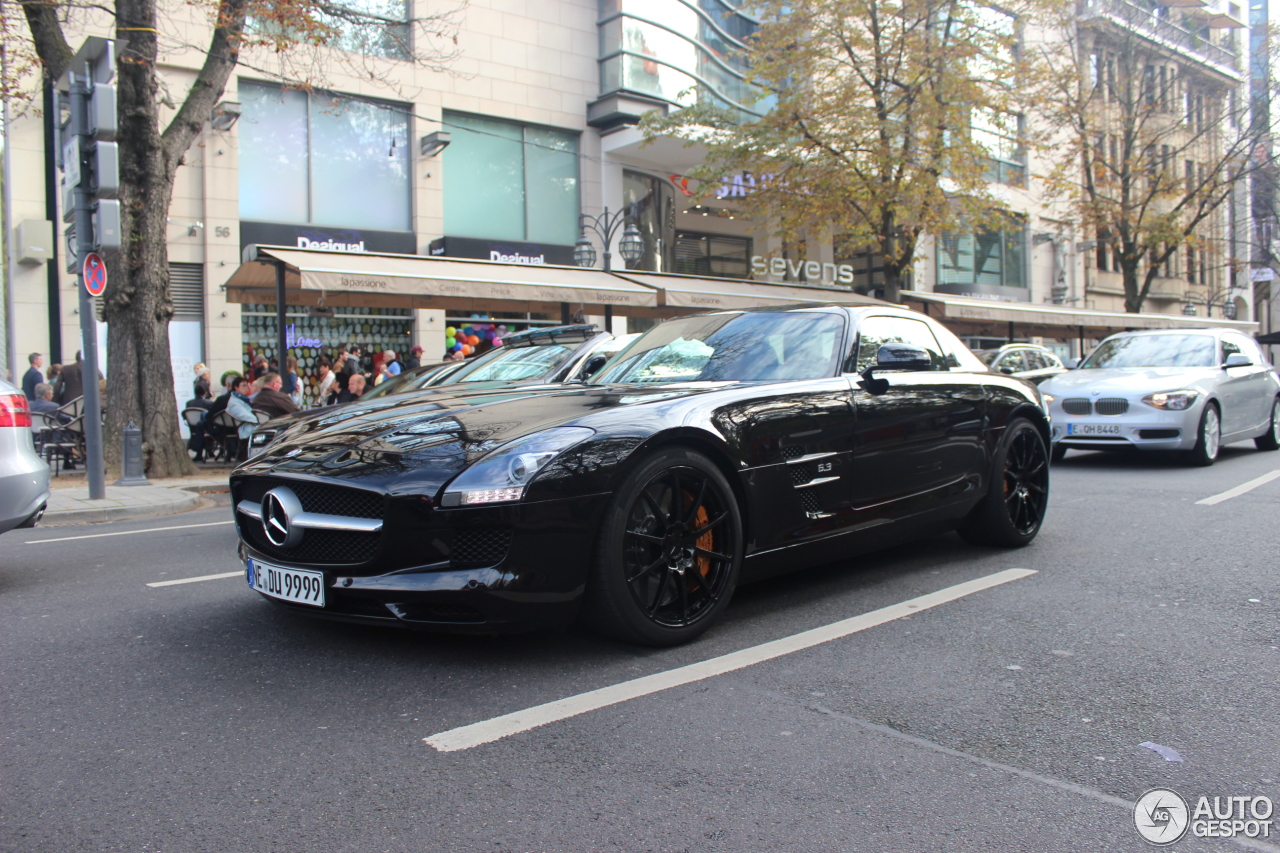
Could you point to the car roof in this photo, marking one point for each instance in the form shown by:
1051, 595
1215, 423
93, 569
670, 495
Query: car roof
1210, 330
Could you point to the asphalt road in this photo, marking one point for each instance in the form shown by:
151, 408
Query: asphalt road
196, 717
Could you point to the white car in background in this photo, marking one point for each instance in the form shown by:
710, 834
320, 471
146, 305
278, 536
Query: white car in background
24, 476
1171, 389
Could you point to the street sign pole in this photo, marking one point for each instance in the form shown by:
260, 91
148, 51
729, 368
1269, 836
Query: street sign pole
95, 462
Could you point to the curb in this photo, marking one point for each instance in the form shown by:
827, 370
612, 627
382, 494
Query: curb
183, 501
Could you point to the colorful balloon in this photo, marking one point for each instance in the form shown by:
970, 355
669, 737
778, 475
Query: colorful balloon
450, 331
466, 350
450, 341
497, 342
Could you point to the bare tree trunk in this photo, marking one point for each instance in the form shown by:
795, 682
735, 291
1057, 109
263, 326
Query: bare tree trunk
138, 306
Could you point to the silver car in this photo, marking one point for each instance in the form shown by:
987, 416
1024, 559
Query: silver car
1172, 389
24, 476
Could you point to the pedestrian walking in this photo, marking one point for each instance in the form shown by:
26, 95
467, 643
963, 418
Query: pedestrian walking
325, 380
291, 387
414, 361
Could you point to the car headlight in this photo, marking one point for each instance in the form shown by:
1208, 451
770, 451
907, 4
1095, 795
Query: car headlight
503, 475
1172, 400
259, 441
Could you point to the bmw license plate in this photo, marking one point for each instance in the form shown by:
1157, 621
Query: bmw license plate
1093, 429
288, 584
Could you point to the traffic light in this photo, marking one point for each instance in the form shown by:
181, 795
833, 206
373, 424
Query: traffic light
88, 154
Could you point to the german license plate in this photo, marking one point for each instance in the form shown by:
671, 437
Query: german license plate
287, 584
1093, 429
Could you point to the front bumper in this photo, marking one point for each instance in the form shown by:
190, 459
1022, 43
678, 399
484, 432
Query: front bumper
538, 581
1143, 427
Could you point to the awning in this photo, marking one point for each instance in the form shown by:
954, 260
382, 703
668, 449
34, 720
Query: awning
967, 315
417, 281
691, 293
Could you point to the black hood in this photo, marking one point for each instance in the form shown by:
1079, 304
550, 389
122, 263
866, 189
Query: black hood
414, 444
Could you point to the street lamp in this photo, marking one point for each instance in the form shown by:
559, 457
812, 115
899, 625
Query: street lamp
1189, 308
631, 245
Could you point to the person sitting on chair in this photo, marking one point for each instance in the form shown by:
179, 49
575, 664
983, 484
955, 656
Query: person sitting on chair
42, 404
355, 388
271, 399
239, 408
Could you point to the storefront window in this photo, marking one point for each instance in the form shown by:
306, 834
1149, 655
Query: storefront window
374, 329
322, 159
985, 259
507, 181
651, 206
713, 255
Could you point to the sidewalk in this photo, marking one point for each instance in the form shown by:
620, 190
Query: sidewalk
69, 503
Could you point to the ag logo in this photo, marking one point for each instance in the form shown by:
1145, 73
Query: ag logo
1161, 816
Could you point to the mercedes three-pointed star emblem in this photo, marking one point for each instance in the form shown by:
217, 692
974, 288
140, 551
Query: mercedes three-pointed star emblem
280, 507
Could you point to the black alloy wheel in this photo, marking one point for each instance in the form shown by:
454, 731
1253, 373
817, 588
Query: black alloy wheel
669, 554
1012, 511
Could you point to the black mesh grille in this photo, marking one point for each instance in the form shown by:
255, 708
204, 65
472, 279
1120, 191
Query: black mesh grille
801, 474
792, 452
1159, 433
809, 501
1077, 406
316, 497
480, 546
317, 546
1111, 406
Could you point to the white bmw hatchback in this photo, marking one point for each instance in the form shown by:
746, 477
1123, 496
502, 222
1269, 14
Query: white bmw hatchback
1175, 389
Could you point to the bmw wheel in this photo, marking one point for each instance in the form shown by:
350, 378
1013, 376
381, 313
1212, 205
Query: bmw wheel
1017, 496
669, 554
1270, 440
1208, 436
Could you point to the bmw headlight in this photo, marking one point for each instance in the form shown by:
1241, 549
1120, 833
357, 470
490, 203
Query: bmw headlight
503, 475
1175, 401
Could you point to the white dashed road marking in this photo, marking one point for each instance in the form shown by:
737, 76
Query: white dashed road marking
128, 532
1239, 490
488, 731
239, 574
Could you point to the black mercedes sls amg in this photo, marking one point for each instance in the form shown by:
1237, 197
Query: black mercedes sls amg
714, 449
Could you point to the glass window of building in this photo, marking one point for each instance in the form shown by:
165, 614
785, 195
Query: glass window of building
985, 258
713, 255
508, 181
322, 159
650, 203
1001, 135
678, 51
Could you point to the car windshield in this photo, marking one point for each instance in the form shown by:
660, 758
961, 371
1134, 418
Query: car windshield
731, 348
516, 363
1154, 351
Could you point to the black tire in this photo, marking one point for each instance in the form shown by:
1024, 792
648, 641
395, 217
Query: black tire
1057, 454
1208, 438
1012, 511
669, 554
1270, 440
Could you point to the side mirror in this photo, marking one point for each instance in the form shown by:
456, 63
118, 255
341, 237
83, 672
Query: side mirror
592, 367
895, 357
1237, 359
1007, 371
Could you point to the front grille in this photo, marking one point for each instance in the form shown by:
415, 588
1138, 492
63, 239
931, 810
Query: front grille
1077, 406
1111, 406
317, 497
792, 452
480, 546
317, 546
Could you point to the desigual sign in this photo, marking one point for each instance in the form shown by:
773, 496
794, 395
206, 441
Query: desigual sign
813, 271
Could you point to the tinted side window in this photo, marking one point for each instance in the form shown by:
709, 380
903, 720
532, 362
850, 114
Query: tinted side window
1012, 362
874, 332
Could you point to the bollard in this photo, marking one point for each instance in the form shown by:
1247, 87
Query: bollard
132, 475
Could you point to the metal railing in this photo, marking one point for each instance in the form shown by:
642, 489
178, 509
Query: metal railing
1181, 38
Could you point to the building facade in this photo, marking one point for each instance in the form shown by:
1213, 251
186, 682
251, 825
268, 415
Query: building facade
496, 156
